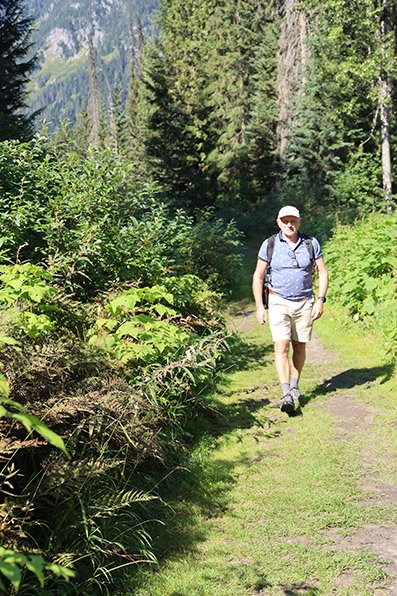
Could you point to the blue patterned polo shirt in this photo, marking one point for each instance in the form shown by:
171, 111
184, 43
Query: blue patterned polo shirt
291, 269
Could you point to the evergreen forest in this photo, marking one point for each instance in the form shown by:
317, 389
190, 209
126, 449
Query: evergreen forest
122, 235
58, 87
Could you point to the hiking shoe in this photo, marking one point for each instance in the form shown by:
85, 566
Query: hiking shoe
287, 404
296, 395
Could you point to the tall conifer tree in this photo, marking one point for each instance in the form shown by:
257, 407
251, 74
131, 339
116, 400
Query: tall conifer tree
336, 117
118, 124
201, 83
241, 108
94, 93
83, 125
15, 67
133, 145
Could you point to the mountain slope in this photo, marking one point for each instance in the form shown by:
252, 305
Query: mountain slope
60, 85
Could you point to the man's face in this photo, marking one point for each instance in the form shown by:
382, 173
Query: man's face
289, 224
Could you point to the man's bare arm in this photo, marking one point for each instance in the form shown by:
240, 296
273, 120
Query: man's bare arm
322, 287
257, 288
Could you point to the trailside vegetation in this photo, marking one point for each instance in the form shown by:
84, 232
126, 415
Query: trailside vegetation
111, 335
114, 256
95, 225
362, 261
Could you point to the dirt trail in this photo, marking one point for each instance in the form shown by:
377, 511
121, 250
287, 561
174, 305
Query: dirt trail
354, 420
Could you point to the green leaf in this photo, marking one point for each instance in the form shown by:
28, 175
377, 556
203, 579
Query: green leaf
11, 402
37, 293
146, 319
161, 346
164, 310
350, 287
94, 341
129, 328
32, 423
11, 556
369, 306
36, 563
4, 386
127, 301
371, 284
16, 284
60, 571
12, 572
9, 341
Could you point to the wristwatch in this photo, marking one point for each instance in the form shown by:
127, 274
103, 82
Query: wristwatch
323, 298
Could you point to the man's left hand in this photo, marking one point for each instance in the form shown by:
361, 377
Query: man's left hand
317, 309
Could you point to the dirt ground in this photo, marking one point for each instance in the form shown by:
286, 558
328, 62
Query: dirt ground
353, 419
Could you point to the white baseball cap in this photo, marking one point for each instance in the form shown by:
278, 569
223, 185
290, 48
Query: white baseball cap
288, 210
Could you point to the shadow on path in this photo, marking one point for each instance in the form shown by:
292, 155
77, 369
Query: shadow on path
202, 489
244, 355
300, 589
354, 377
293, 590
358, 376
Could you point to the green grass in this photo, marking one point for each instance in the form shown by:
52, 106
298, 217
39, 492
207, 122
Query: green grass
268, 499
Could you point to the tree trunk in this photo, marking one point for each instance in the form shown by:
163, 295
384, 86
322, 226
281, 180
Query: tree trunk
385, 136
141, 44
385, 115
94, 94
292, 55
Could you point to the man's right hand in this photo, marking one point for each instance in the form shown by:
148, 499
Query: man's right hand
261, 315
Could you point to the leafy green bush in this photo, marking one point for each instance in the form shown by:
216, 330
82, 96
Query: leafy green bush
145, 325
362, 261
75, 228
14, 565
89, 511
96, 226
33, 307
213, 251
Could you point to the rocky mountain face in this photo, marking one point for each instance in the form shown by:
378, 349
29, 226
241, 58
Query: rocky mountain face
60, 85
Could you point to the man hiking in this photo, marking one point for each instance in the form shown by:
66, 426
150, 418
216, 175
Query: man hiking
292, 305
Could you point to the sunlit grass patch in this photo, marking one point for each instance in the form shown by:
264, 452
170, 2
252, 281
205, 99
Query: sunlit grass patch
293, 502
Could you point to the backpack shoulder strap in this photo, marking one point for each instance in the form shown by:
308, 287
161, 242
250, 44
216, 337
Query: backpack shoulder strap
270, 248
309, 246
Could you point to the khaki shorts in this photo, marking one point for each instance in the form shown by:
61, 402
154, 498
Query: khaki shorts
289, 319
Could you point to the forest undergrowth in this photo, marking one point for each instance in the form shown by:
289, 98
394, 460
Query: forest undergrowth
273, 505
113, 344
110, 337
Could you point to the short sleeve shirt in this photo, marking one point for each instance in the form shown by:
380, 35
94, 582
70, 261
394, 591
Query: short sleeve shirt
291, 275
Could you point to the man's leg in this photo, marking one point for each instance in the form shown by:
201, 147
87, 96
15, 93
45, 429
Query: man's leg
298, 360
298, 357
281, 350
280, 327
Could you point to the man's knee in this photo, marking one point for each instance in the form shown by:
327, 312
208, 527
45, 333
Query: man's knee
281, 347
298, 346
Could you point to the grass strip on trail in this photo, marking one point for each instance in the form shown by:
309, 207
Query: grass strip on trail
276, 505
